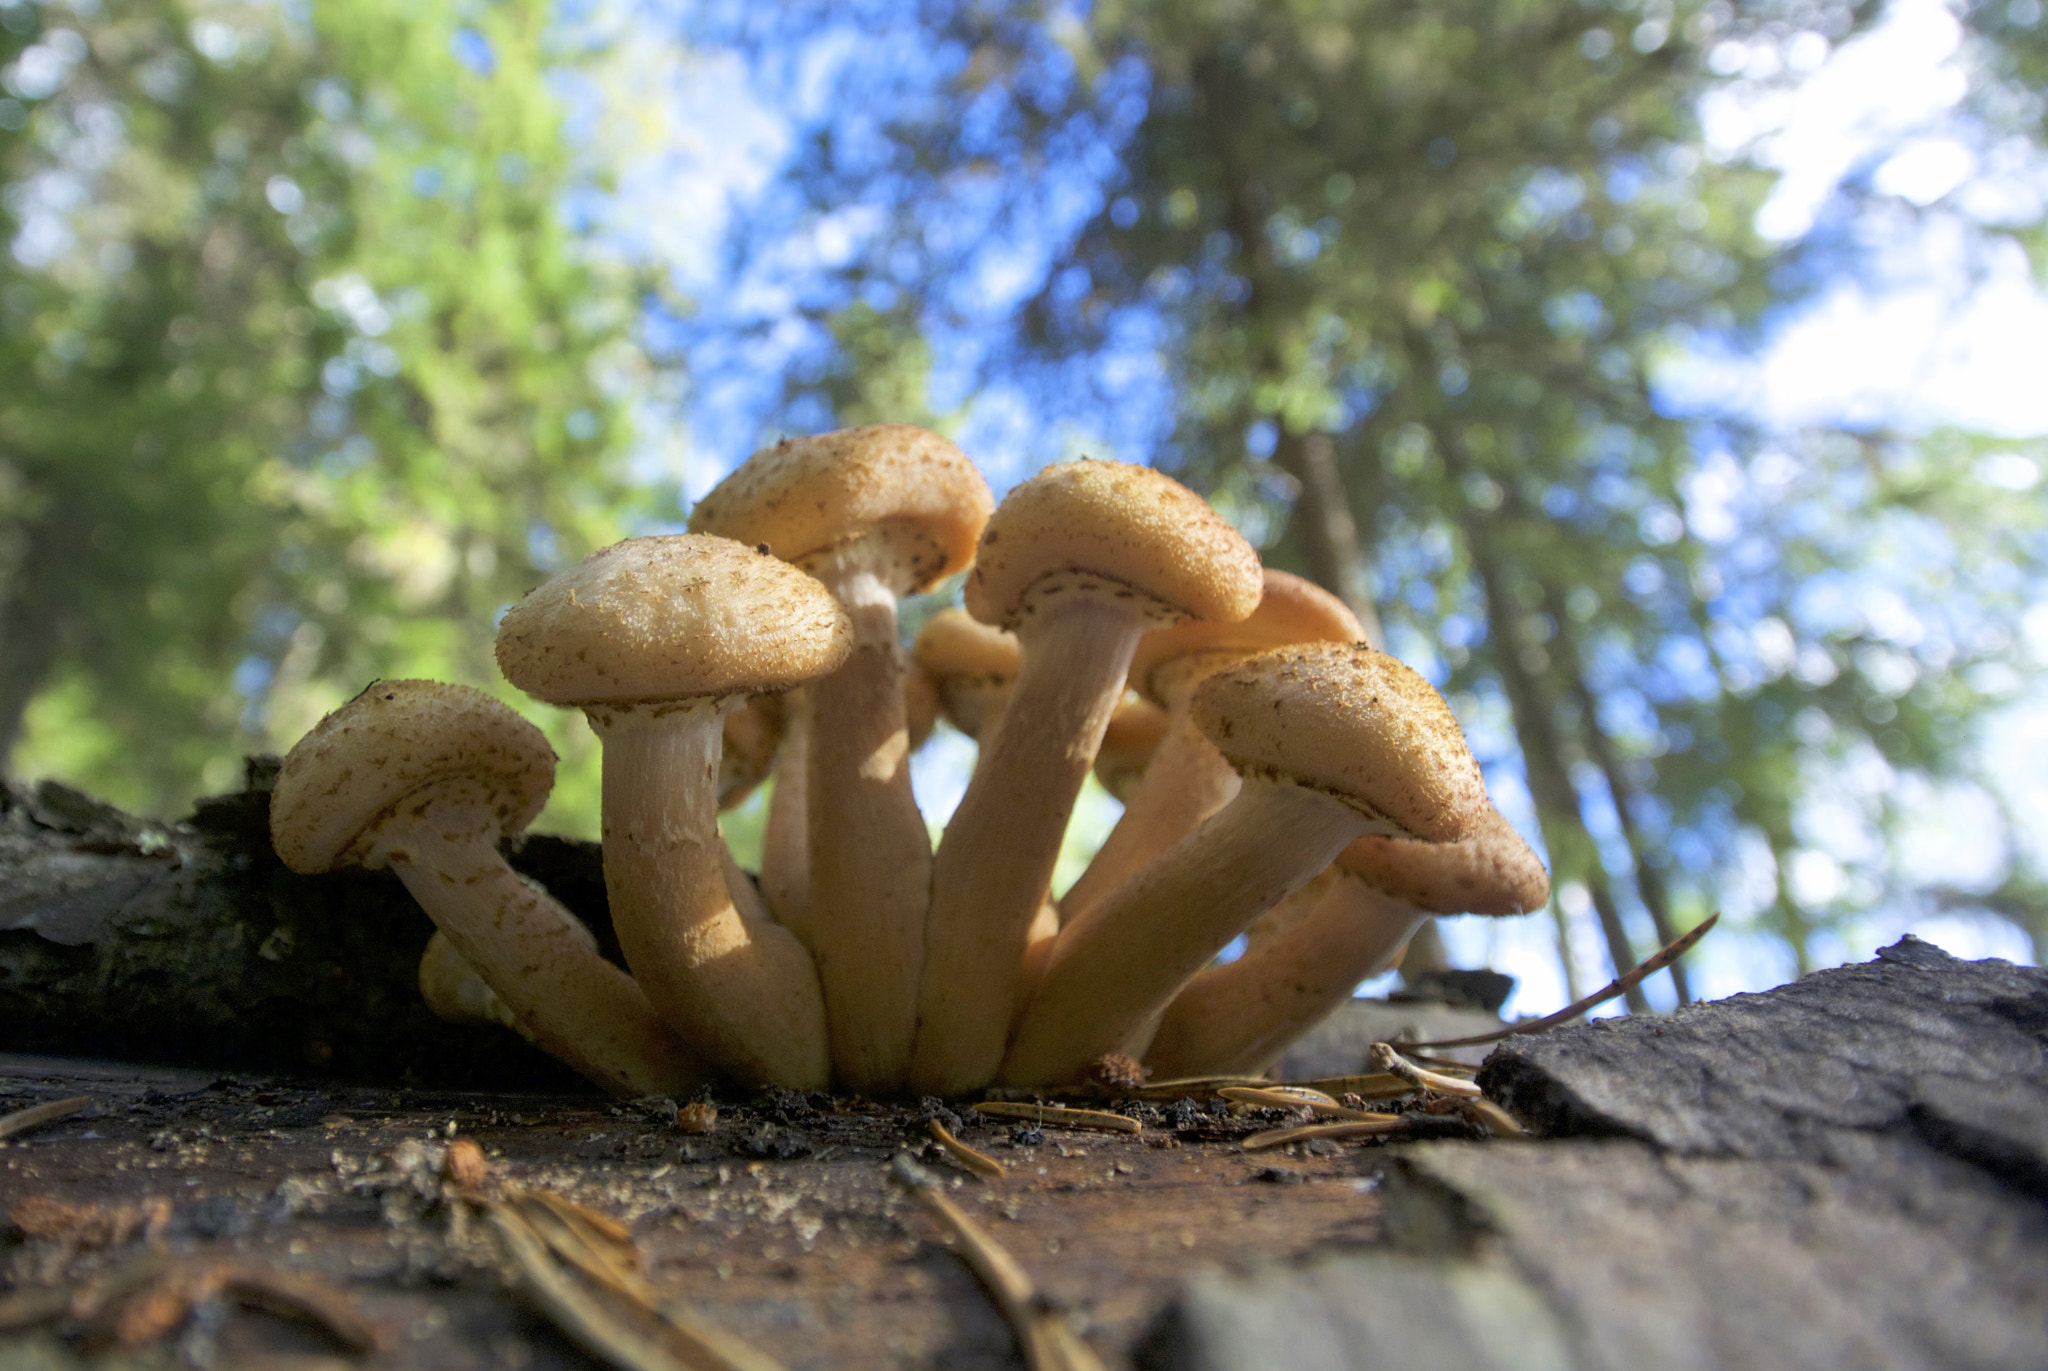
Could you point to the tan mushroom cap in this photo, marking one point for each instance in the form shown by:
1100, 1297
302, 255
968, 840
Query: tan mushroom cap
1492, 872
1133, 735
393, 741
1125, 524
955, 643
1353, 723
806, 496
676, 617
1292, 610
751, 736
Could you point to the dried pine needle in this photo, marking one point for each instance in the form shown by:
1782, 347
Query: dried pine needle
1386, 1126
21, 1120
1058, 1117
1297, 1099
1047, 1339
1615, 988
980, 1163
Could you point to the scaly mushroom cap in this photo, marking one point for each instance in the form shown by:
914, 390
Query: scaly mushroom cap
1492, 872
1353, 723
748, 755
1128, 744
968, 664
677, 617
1124, 524
806, 496
1292, 610
393, 741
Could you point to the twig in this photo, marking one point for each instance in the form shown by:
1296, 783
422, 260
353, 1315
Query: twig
1620, 985
1060, 1118
1386, 1126
1047, 1339
1387, 1059
980, 1163
1443, 1064
21, 1120
1280, 1099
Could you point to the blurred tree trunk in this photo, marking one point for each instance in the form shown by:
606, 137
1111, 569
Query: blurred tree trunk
1324, 523
1572, 849
1649, 880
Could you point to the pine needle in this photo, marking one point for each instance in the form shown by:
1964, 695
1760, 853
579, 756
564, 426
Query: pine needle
21, 1120
1387, 1059
980, 1163
1386, 1126
1619, 986
1290, 1099
1058, 1117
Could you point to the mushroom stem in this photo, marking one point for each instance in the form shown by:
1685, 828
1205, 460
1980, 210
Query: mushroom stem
571, 1002
786, 839
743, 991
1235, 1019
995, 862
1116, 967
1186, 781
870, 853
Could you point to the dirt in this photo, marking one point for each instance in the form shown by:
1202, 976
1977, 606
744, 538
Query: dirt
780, 1226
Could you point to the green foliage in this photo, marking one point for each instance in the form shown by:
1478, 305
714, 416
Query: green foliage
318, 380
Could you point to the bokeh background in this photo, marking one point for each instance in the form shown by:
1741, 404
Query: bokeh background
1668, 378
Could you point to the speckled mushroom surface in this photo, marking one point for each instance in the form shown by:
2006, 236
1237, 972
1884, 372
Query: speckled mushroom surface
1494, 871
806, 496
1291, 610
1119, 523
1354, 723
358, 764
671, 617
971, 667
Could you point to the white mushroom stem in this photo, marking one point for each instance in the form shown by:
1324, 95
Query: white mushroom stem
742, 991
786, 838
1186, 781
1116, 967
870, 853
570, 1001
1235, 1019
994, 866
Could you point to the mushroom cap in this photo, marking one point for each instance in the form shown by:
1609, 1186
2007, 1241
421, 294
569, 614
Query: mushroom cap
955, 643
1128, 744
968, 664
751, 735
1354, 723
1492, 872
1292, 610
805, 496
394, 741
1124, 524
677, 617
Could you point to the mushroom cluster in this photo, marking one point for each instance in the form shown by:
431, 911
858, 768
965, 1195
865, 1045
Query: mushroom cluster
1282, 780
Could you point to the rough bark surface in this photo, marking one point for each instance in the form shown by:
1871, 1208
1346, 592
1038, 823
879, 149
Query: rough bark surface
1842, 1172
190, 942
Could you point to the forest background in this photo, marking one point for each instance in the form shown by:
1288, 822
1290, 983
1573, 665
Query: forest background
1665, 380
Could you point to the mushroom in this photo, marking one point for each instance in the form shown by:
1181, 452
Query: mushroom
786, 838
1333, 742
425, 778
1128, 745
971, 667
752, 736
1236, 1018
1187, 779
454, 992
875, 513
1078, 562
655, 639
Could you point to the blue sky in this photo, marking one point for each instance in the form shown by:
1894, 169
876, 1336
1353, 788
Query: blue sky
698, 111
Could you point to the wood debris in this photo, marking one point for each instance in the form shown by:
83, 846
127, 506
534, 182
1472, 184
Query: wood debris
1385, 1057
